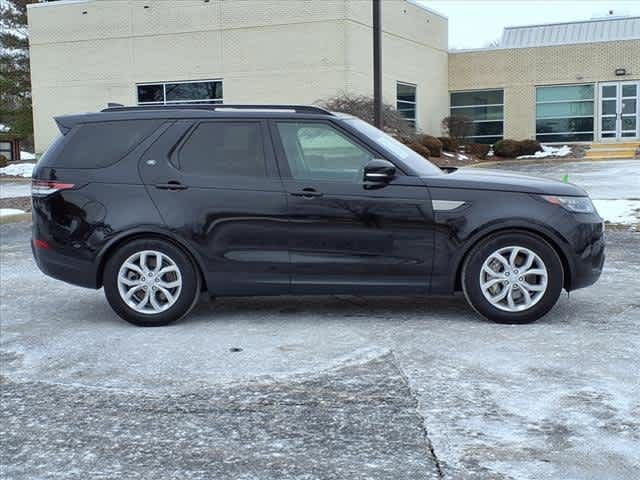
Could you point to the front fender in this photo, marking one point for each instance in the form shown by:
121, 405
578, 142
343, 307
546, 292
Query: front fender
459, 230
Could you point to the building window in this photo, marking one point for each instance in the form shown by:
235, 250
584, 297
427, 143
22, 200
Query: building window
485, 108
406, 101
173, 93
564, 113
6, 150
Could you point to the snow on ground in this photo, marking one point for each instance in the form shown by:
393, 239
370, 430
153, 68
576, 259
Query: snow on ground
619, 211
459, 156
18, 169
550, 152
27, 156
5, 212
14, 190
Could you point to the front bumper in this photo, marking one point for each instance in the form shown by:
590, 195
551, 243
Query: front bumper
587, 242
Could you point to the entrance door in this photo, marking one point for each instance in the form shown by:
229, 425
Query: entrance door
619, 110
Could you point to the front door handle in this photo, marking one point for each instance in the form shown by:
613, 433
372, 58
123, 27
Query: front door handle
307, 193
171, 185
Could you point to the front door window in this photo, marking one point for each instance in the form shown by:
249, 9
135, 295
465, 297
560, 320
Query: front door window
318, 151
619, 108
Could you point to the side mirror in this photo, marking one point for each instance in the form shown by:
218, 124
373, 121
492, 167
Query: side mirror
379, 171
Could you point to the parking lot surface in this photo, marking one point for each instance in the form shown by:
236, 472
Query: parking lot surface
319, 387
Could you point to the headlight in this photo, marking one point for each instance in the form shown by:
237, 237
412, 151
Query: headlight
573, 204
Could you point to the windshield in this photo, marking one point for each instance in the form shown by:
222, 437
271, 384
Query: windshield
414, 161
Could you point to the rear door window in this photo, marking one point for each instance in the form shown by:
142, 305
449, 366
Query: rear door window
224, 149
101, 144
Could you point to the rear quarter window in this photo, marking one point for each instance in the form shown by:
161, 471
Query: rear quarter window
101, 144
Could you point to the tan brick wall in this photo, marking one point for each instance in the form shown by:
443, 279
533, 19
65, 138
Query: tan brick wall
520, 70
414, 50
266, 51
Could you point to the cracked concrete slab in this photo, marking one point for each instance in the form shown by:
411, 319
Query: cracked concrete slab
356, 421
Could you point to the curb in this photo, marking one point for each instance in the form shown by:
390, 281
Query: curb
10, 179
532, 161
18, 217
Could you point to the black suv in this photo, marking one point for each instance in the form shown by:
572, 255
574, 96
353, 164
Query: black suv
159, 204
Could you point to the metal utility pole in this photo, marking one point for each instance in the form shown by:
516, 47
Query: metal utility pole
377, 64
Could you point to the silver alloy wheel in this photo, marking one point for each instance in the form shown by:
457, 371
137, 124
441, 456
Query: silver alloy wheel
149, 282
513, 279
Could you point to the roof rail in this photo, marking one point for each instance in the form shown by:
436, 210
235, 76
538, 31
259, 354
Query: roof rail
221, 107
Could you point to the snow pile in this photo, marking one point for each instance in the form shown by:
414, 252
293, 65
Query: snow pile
14, 190
550, 152
622, 211
18, 170
6, 212
458, 156
27, 156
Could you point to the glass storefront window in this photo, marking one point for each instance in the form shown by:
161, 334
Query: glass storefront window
485, 108
565, 113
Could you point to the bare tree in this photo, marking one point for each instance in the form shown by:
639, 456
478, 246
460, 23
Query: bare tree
458, 127
361, 106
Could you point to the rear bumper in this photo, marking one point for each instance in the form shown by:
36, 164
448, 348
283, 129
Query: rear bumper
64, 267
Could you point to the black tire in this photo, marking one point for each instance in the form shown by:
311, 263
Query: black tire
471, 277
189, 292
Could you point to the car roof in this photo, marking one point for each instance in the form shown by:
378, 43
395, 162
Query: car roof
279, 108
149, 112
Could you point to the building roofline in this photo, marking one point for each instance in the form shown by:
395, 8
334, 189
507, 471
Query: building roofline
572, 22
417, 3
57, 3
427, 9
541, 45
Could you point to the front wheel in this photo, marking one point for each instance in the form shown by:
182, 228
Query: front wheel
151, 282
512, 278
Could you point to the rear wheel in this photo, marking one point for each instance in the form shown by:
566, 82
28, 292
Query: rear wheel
151, 282
512, 278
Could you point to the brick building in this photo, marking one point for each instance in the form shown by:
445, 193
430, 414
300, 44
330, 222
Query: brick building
568, 82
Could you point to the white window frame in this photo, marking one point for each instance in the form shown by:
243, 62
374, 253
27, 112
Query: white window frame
594, 116
451, 108
178, 102
414, 104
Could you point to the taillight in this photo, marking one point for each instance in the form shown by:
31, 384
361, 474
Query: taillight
42, 188
41, 244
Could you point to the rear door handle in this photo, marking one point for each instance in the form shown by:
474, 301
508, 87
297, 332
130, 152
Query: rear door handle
171, 185
307, 193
